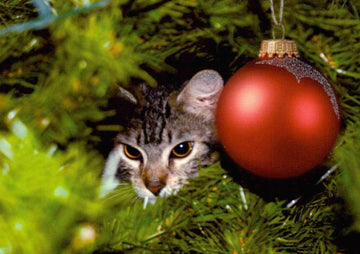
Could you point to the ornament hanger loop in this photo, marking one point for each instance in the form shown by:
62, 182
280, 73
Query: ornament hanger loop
277, 22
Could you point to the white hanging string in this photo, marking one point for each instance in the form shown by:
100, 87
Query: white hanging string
275, 20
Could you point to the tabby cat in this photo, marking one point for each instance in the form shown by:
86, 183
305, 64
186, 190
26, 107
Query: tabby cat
166, 141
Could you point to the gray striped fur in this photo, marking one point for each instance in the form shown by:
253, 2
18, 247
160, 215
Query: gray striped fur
164, 119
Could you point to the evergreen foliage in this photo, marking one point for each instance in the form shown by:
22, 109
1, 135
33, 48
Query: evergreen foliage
226, 218
47, 197
62, 64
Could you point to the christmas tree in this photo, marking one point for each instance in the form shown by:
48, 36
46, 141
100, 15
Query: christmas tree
62, 63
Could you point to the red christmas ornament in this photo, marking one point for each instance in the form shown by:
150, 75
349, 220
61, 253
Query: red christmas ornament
278, 117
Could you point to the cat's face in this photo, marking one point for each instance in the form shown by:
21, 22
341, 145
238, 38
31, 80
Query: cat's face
164, 145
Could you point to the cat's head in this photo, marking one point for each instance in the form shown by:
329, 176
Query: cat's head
172, 134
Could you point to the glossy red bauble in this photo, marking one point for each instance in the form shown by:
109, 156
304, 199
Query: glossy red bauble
278, 117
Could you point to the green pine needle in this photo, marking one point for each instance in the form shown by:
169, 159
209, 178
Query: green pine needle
55, 85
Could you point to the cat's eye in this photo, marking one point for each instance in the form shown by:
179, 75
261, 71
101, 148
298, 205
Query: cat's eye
132, 152
182, 150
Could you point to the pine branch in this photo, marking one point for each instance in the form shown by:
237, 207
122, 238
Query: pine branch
347, 157
211, 214
47, 198
56, 81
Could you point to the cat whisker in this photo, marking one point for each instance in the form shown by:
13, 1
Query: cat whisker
117, 192
135, 199
113, 195
146, 200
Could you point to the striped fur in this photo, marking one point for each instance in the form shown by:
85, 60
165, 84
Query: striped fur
165, 119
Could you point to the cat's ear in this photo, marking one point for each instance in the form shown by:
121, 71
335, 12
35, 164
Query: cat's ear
127, 95
201, 93
135, 94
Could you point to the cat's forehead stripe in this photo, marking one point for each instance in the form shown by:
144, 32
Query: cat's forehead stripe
169, 134
155, 112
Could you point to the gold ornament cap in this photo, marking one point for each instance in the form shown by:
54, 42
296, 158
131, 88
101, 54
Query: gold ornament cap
280, 48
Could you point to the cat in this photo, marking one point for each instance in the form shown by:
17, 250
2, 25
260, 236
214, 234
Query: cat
165, 142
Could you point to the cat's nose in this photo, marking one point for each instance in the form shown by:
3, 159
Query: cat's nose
154, 186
